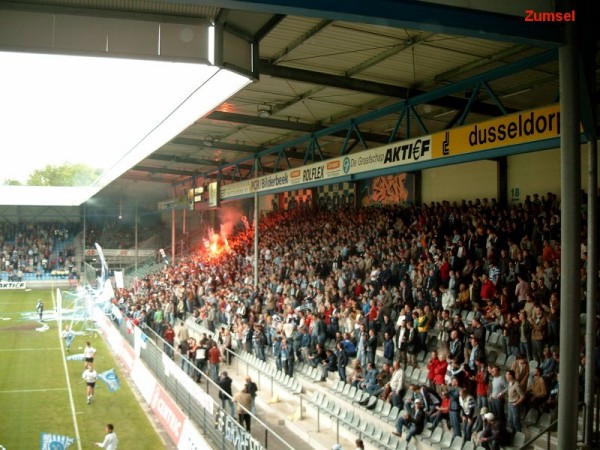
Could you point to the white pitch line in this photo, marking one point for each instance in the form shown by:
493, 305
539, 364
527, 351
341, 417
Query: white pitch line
28, 349
25, 391
64, 358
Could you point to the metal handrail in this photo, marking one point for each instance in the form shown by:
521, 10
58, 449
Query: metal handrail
301, 396
531, 440
321, 410
548, 429
218, 388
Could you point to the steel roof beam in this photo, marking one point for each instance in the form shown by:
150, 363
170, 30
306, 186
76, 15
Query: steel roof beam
287, 125
217, 145
408, 14
371, 87
183, 160
187, 173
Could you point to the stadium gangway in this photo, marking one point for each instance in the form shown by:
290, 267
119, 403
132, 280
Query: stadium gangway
211, 386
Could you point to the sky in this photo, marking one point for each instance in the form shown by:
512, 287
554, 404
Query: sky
57, 109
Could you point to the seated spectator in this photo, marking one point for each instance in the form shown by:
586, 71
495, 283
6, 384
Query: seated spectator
329, 364
494, 434
394, 390
537, 394
440, 411
552, 401
370, 380
414, 423
356, 378
318, 356
381, 380
548, 366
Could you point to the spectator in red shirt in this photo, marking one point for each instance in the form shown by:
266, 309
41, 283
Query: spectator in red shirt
214, 358
487, 288
169, 336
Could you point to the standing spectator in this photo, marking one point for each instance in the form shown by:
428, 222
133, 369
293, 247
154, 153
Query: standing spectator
214, 359
259, 341
169, 337
252, 389
226, 343
515, 398
521, 369
287, 357
467, 405
499, 387
524, 339
277, 352
422, 324
243, 401
539, 330
111, 440
201, 355
512, 334
226, 395
191, 357
455, 410
482, 384
90, 376
372, 345
457, 347
388, 348
183, 333
412, 345
184, 347
402, 334
342, 361
439, 375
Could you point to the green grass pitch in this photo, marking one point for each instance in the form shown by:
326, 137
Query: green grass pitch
34, 391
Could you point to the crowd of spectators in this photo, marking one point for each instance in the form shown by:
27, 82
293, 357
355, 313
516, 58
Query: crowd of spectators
38, 248
394, 280
117, 233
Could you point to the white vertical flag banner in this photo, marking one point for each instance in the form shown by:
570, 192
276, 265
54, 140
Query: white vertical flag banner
119, 279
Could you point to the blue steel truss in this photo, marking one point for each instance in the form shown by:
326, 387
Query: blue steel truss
404, 109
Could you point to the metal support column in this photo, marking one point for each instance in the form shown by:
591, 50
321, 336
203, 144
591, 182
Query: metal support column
81, 263
173, 232
256, 228
502, 169
591, 288
570, 181
136, 238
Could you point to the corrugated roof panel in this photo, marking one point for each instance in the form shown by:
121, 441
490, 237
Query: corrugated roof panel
336, 49
289, 30
470, 46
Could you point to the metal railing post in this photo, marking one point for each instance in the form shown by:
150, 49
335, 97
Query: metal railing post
318, 419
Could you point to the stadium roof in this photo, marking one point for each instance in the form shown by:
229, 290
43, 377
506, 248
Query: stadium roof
323, 63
